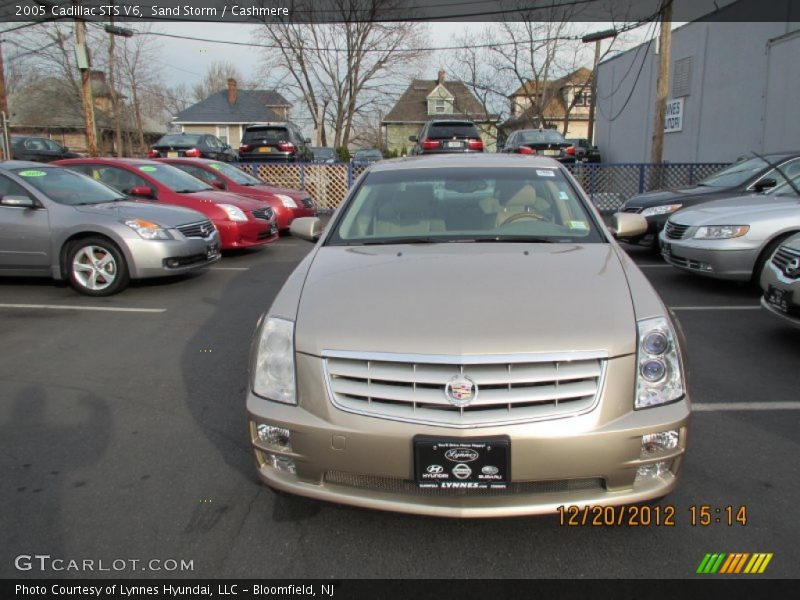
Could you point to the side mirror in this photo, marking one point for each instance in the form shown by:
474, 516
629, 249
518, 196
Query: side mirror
218, 184
18, 201
413, 138
628, 225
764, 184
307, 228
141, 191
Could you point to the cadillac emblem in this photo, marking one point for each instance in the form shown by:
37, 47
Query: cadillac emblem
461, 391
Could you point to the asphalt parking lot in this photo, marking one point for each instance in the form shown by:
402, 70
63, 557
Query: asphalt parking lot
124, 437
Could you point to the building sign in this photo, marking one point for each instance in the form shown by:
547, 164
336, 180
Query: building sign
673, 116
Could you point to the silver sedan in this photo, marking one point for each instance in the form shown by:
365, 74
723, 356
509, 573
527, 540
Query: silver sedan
731, 238
780, 281
58, 223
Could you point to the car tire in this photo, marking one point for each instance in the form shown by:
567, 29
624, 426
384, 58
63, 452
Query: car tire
96, 267
766, 253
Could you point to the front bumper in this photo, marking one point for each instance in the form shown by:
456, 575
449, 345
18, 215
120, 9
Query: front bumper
161, 258
251, 234
591, 459
720, 259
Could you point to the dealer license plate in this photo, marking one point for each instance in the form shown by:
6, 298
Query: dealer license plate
265, 149
454, 144
212, 252
172, 155
778, 299
462, 463
551, 152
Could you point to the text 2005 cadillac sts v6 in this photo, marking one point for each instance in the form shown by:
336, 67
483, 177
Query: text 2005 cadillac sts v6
467, 339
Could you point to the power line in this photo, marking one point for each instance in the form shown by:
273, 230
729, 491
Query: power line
633, 62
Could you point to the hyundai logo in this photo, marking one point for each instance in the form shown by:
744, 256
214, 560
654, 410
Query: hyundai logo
435, 469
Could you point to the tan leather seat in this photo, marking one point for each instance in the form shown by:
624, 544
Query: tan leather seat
523, 200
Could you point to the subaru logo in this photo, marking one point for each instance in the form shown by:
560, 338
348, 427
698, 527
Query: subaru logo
792, 268
461, 455
490, 470
461, 391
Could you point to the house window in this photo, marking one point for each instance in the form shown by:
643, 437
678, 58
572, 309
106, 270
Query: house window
222, 133
440, 105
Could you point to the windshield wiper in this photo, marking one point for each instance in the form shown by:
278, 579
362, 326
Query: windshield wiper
402, 240
515, 239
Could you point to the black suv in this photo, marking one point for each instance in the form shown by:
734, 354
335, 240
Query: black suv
446, 136
282, 142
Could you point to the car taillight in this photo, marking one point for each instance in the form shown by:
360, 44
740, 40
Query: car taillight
526, 150
430, 144
193, 153
571, 150
244, 148
152, 153
475, 144
286, 146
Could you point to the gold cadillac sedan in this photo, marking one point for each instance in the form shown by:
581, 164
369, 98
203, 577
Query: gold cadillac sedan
466, 339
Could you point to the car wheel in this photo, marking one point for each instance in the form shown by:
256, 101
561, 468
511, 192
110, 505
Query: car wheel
765, 255
97, 267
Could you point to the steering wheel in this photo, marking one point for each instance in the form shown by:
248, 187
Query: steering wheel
524, 215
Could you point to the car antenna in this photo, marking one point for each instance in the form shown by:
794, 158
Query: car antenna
780, 172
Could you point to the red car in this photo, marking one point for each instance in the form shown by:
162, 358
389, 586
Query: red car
288, 204
241, 222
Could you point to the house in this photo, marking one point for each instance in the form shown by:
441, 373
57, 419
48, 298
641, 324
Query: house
226, 113
561, 104
733, 89
52, 108
427, 99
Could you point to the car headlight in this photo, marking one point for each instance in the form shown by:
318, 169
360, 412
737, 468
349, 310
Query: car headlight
273, 367
720, 232
287, 201
148, 230
659, 379
234, 212
654, 211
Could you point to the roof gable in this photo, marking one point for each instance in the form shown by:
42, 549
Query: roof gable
412, 106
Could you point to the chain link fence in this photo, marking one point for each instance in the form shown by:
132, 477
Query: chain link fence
608, 185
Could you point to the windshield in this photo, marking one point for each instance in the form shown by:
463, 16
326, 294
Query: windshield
465, 205
452, 129
236, 175
323, 152
179, 139
267, 135
545, 136
174, 179
735, 175
67, 187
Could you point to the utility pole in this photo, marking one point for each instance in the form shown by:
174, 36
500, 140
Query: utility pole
596, 38
85, 66
113, 32
4, 106
662, 84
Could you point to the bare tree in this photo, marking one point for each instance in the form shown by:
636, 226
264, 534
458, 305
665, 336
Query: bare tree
340, 70
216, 79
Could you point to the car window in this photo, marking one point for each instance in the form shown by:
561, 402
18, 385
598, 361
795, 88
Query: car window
789, 170
117, 178
213, 142
197, 172
67, 187
484, 204
235, 174
35, 144
736, 174
179, 139
174, 179
451, 129
543, 136
53, 146
267, 135
11, 188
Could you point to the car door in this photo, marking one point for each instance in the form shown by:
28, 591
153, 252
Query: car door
24, 231
54, 150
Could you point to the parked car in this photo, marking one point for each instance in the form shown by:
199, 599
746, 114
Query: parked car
60, 224
323, 155
752, 175
38, 149
193, 145
584, 151
542, 142
733, 238
446, 136
780, 281
241, 222
419, 397
366, 156
287, 204
277, 142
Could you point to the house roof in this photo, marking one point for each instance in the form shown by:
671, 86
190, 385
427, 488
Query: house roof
412, 106
577, 77
251, 106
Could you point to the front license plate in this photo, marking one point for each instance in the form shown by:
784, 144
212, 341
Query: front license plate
666, 248
462, 464
778, 298
454, 144
172, 155
212, 252
265, 149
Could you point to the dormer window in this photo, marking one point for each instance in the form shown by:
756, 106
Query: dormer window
440, 105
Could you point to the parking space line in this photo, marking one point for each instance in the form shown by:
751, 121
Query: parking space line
95, 308
230, 268
726, 406
747, 307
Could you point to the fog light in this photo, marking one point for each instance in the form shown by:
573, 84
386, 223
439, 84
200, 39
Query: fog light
706, 267
281, 463
276, 437
173, 262
655, 444
652, 470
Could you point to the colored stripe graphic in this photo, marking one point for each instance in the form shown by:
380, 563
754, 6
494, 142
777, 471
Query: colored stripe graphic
724, 563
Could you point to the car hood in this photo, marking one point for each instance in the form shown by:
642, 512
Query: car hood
671, 195
269, 189
466, 299
237, 200
737, 211
163, 215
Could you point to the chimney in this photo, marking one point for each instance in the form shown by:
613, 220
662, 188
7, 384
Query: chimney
231, 91
440, 79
